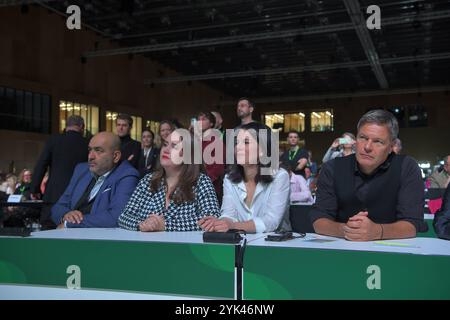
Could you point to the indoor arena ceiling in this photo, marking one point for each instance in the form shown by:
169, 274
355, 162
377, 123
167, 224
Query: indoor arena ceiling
263, 48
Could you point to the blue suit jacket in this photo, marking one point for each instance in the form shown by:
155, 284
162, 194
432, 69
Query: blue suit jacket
109, 201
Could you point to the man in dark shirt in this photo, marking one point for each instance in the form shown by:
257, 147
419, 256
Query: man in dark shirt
441, 220
60, 156
131, 149
244, 110
373, 194
295, 157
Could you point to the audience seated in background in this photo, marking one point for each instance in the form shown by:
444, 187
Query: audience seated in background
22, 216
7, 188
9, 185
340, 147
175, 196
24, 185
374, 194
441, 220
441, 177
253, 200
99, 189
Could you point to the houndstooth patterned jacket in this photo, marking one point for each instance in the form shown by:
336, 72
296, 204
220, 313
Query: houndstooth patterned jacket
178, 217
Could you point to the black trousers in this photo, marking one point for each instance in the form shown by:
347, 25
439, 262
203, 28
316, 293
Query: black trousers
45, 219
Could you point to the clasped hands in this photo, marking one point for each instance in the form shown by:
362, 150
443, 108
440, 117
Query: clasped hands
154, 222
361, 228
211, 223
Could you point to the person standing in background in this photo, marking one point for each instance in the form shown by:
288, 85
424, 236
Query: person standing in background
166, 127
215, 170
295, 157
149, 153
311, 164
61, 154
341, 147
441, 178
131, 149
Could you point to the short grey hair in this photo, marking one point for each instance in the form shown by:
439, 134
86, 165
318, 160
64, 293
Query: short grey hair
75, 120
381, 117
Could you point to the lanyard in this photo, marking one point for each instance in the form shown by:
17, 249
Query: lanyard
293, 154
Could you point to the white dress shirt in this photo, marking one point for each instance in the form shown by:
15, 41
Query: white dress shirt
98, 184
146, 153
269, 207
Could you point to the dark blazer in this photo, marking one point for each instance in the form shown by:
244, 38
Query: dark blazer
441, 220
61, 153
109, 201
148, 164
130, 147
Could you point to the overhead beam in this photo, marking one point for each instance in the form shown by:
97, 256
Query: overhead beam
216, 41
260, 36
359, 23
229, 24
288, 70
324, 96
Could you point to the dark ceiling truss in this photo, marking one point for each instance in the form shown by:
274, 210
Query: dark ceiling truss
275, 47
252, 73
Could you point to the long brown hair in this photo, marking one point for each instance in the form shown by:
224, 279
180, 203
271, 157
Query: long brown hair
184, 192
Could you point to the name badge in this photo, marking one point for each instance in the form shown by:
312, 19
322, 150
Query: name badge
14, 198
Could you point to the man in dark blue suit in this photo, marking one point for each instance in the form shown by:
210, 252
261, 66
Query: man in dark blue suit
98, 190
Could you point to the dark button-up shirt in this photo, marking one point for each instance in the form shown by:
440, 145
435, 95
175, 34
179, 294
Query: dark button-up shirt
410, 201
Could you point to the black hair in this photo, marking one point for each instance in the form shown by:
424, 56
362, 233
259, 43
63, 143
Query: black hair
210, 116
149, 130
236, 171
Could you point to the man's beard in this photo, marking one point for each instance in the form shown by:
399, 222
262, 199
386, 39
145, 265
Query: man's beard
243, 115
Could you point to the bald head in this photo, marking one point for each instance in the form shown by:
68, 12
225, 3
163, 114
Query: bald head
108, 140
104, 152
